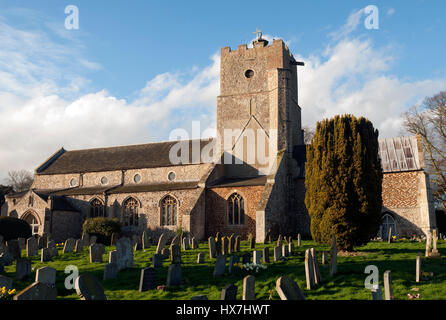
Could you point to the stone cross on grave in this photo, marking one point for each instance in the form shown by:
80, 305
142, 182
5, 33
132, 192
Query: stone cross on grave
258, 33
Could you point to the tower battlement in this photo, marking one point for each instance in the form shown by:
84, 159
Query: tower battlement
260, 44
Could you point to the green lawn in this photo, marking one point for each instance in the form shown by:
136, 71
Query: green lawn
399, 257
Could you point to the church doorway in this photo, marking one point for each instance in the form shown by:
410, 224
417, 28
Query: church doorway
33, 221
387, 222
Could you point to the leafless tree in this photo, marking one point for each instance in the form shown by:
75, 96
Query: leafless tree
308, 134
20, 180
429, 121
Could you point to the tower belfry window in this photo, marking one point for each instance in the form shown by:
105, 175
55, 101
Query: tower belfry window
249, 73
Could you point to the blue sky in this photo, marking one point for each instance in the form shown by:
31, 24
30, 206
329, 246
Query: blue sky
135, 70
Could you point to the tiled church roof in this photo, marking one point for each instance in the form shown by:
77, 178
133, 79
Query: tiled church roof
148, 155
400, 154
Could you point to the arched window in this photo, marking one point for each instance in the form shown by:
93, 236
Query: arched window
236, 210
388, 222
96, 208
168, 211
31, 218
130, 210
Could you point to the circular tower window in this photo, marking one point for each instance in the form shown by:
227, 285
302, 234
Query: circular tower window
171, 176
104, 180
137, 178
73, 182
249, 73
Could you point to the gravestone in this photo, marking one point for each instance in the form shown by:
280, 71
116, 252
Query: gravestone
32, 247
434, 253
218, 244
5, 282
85, 239
165, 253
200, 297
124, 253
110, 271
147, 280
95, 253
291, 248
317, 274
229, 292
309, 272
113, 257
233, 261
324, 257
185, 243
194, 243
418, 268
388, 291
175, 254
79, 246
114, 238
285, 250
279, 241
333, 257
265, 255
174, 275
52, 248
45, 255
246, 258
212, 249
137, 247
225, 246
267, 237
13, 248
252, 242
288, 289
69, 245
145, 241
37, 291
277, 253
257, 257
89, 288
249, 288
220, 266
22, 243
376, 293
299, 240
231, 244
93, 240
237, 244
22, 269
157, 260
6, 259
46, 275
200, 257
161, 243
42, 241
176, 240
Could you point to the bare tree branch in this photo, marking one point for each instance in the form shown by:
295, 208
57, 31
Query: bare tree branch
20, 180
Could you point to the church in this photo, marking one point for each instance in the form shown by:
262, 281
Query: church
250, 181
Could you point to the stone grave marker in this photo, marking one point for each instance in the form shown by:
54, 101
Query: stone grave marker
93, 240
212, 249
110, 271
265, 255
89, 288
225, 246
23, 269
376, 293
114, 238
124, 253
13, 248
418, 268
237, 244
176, 240
32, 247
285, 250
249, 288
95, 253
428, 244
229, 292
45, 255
333, 257
231, 244
233, 261
218, 244
137, 247
175, 254
388, 291
309, 272
22, 243
200, 257
288, 289
185, 243
85, 239
252, 242
69, 245
257, 257
194, 243
46, 275
37, 291
5, 282
165, 253
147, 279
299, 240
291, 248
42, 241
157, 260
174, 275
113, 257
267, 237
279, 241
317, 273
277, 253
324, 257
161, 243
220, 266
79, 246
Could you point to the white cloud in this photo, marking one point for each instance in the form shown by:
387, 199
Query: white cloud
391, 11
353, 20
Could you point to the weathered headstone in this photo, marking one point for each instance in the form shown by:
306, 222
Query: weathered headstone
113, 257
161, 243
309, 272
32, 247
212, 249
114, 238
249, 288
218, 245
220, 266
157, 260
37, 291
13, 248
299, 240
291, 248
333, 257
229, 292
174, 275
95, 253
267, 237
124, 253
175, 254
265, 255
279, 241
22, 243
257, 257
45, 255
237, 243
233, 261
200, 257
194, 243
176, 240
5, 282
418, 268
110, 271
69, 245
285, 250
277, 253
388, 291
376, 293
185, 243
252, 242
324, 257
147, 280
85, 239
79, 246
317, 274
137, 246
225, 246
89, 288
23, 269
93, 240
231, 248
46, 275
42, 241
389, 237
288, 289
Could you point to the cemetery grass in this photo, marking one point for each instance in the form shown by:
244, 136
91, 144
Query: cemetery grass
347, 284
